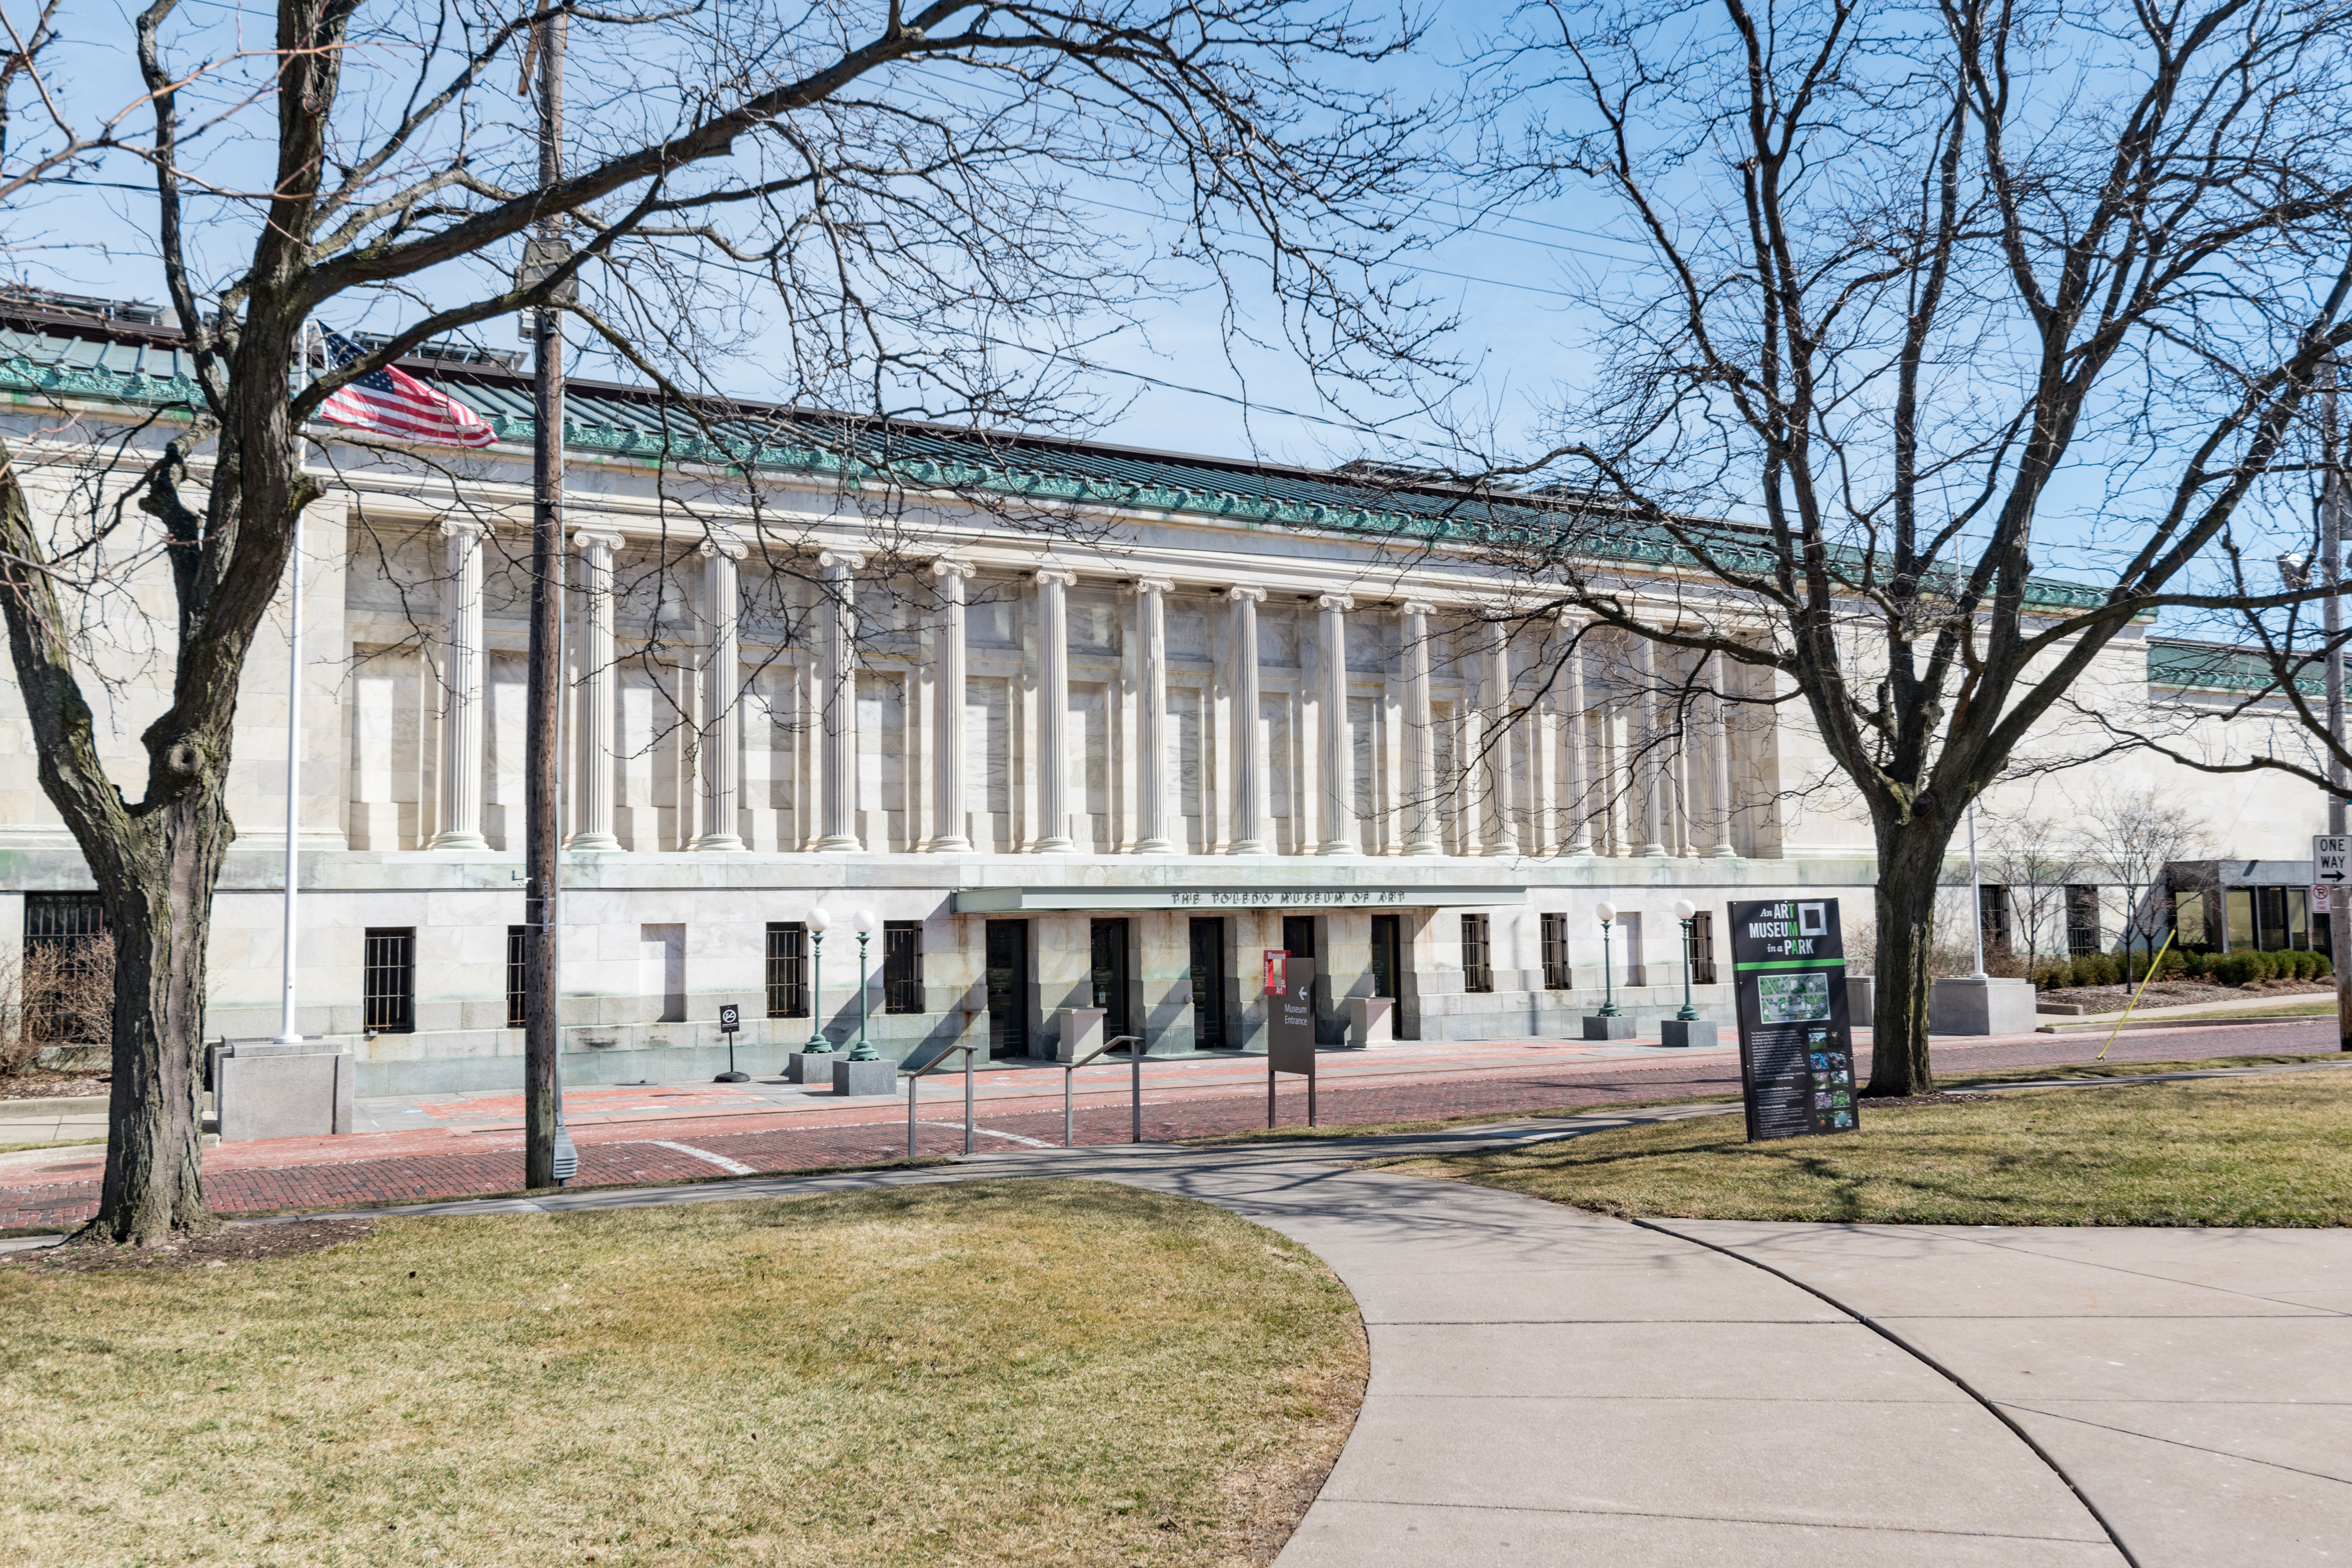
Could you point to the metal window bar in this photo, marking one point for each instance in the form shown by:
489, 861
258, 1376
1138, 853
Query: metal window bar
1699, 948
787, 970
1478, 966
1555, 952
388, 981
902, 966
517, 971
64, 924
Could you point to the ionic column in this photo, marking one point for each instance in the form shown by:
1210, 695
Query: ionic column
839, 763
1052, 761
1580, 838
1420, 744
461, 701
1654, 734
593, 707
1723, 848
1498, 724
947, 699
1339, 757
1152, 716
721, 680
1248, 831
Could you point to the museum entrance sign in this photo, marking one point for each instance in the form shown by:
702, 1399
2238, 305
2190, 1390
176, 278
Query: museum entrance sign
1796, 1039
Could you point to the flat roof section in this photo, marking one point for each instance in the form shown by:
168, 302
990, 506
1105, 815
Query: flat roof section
1035, 900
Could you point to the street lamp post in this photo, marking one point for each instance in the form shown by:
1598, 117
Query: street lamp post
865, 1051
817, 1043
1608, 913
1685, 912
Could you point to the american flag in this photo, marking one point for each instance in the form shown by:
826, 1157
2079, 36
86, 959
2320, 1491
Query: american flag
394, 402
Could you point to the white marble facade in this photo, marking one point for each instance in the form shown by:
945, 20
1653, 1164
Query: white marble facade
1186, 718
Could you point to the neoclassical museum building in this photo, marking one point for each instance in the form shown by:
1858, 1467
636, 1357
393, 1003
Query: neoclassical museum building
1069, 726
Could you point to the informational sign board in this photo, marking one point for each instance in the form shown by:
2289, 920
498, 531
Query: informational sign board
1796, 1039
731, 1018
2331, 859
1290, 1025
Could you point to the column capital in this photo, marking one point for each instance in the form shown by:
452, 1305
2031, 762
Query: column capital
725, 544
588, 538
456, 525
1569, 620
1238, 594
829, 559
1060, 574
1155, 584
1334, 602
952, 566
1417, 606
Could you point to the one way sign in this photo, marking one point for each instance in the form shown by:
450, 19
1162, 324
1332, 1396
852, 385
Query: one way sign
2331, 859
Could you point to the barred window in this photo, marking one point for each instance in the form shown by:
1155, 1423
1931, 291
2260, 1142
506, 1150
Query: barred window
518, 974
388, 981
1699, 948
67, 970
1478, 963
787, 970
902, 966
1555, 952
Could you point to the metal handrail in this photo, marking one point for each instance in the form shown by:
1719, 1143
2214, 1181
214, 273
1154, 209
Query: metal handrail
932, 1066
1135, 1094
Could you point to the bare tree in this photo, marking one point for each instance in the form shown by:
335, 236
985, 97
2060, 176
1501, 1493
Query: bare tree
2128, 838
1932, 289
2037, 857
897, 197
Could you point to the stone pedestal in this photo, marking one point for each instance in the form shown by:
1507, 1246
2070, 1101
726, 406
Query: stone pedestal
1371, 1021
1861, 999
1696, 1033
1597, 1027
279, 1093
879, 1076
1081, 1032
810, 1067
1971, 1006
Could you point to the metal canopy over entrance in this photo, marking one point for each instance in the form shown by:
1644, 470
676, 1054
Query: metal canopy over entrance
1033, 899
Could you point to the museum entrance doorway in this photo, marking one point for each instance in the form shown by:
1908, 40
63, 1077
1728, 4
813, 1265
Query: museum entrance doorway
1008, 988
1112, 978
1208, 985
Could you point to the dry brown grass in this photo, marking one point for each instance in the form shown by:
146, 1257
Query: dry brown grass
2209, 1152
1036, 1373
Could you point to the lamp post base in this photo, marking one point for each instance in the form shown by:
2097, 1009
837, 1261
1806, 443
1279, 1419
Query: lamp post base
1697, 1034
1607, 1026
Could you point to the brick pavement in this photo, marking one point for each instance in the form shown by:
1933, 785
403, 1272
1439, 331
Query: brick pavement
430, 1164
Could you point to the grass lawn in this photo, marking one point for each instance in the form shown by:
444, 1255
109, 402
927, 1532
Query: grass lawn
2225, 1151
970, 1373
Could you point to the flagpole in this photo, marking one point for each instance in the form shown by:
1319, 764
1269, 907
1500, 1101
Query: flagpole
288, 1035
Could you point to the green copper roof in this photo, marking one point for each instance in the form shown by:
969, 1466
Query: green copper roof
106, 364
2216, 666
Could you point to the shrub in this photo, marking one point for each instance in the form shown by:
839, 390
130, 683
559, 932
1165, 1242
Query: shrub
2055, 974
2097, 969
2174, 965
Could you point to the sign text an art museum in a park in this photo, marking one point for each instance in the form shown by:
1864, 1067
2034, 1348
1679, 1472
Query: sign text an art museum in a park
1796, 1041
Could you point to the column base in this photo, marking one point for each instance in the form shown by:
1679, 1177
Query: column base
1424, 850
1053, 846
722, 843
1723, 852
458, 841
592, 844
1338, 849
1502, 850
1155, 846
839, 844
956, 846
1247, 847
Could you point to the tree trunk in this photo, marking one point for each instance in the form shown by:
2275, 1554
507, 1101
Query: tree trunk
159, 903
1910, 870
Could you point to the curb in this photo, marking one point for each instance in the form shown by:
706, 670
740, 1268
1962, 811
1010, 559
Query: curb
2131, 1025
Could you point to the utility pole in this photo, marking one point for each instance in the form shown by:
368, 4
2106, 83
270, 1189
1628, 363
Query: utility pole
2331, 565
548, 1156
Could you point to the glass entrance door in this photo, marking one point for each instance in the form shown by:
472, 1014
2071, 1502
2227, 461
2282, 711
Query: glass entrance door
1209, 985
1008, 988
1110, 977
1386, 941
